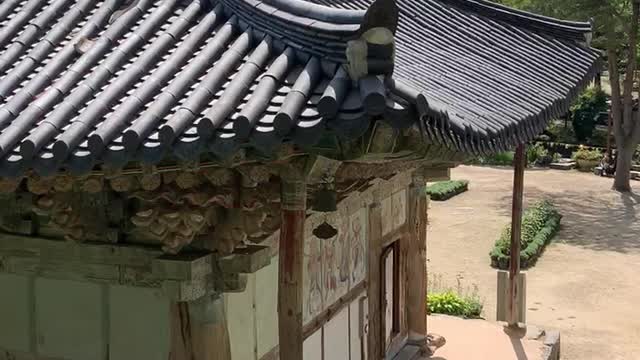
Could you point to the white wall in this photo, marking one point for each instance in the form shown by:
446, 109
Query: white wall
82, 321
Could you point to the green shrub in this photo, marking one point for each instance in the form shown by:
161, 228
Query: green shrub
538, 155
587, 154
539, 224
462, 300
583, 114
450, 303
587, 159
445, 190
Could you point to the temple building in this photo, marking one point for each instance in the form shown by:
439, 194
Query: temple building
244, 179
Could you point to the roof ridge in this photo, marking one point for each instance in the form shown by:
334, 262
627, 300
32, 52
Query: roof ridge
319, 12
572, 30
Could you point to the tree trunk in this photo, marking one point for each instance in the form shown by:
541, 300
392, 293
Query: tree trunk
625, 120
622, 180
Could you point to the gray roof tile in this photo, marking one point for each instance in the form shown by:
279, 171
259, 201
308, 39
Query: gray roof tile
86, 82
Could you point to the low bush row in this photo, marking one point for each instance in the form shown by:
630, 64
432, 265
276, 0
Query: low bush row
445, 190
539, 224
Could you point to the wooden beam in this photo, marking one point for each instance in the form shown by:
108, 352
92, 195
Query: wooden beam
417, 261
520, 163
375, 338
293, 200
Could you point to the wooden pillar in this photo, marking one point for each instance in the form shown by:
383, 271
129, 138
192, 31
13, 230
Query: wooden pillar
519, 161
293, 201
375, 337
199, 330
417, 261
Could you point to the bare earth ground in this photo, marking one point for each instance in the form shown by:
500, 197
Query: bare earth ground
586, 282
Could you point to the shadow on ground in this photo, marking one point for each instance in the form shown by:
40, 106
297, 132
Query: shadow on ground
606, 221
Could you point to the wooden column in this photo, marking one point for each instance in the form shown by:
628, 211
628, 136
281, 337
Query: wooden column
417, 261
293, 200
199, 330
375, 338
519, 161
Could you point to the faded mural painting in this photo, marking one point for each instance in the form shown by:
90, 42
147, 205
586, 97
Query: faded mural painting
333, 267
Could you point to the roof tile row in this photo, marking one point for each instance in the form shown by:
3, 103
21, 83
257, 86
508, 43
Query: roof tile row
90, 82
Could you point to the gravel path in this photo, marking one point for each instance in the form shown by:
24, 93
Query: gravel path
585, 284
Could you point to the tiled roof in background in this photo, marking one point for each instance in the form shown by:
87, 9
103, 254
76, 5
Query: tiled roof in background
90, 82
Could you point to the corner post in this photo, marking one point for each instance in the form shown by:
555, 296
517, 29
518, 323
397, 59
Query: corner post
519, 161
199, 330
293, 200
417, 261
375, 338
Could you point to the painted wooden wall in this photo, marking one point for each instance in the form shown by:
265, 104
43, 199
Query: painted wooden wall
332, 268
69, 320
66, 320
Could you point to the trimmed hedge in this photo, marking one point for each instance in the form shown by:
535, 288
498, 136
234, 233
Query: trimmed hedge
540, 223
445, 190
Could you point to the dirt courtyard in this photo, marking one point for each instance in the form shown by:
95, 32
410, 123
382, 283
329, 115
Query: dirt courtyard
586, 284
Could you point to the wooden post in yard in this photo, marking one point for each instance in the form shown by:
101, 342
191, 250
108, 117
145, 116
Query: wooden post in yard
519, 161
293, 201
375, 337
417, 262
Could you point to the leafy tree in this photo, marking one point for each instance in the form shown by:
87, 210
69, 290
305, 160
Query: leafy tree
583, 114
616, 31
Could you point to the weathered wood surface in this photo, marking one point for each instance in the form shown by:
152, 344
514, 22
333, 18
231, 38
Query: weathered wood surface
502, 305
375, 340
246, 260
188, 266
520, 162
290, 282
417, 261
182, 277
199, 331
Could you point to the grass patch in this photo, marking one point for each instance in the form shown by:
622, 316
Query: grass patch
540, 223
453, 301
445, 190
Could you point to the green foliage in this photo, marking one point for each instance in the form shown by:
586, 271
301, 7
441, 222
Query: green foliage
458, 301
598, 138
584, 112
606, 14
499, 159
539, 224
450, 303
538, 155
445, 190
585, 154
560, 133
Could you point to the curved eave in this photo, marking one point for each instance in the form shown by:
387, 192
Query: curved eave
436, 123
578, 31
